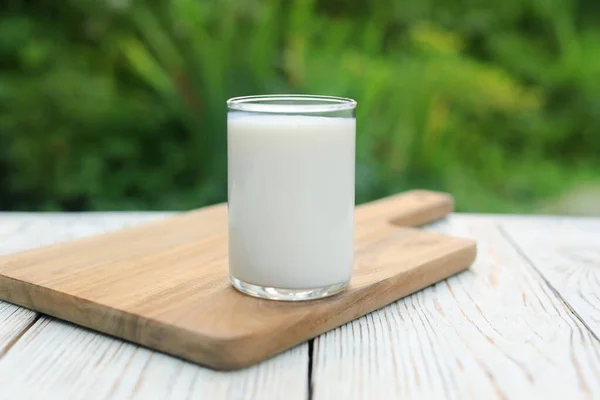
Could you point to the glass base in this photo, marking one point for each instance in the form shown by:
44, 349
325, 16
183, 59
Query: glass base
271, 293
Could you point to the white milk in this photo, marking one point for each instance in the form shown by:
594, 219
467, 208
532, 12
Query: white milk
291, 199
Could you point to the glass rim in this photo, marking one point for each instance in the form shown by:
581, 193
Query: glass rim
299, 103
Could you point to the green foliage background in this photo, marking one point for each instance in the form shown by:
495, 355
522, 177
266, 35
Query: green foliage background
120, 104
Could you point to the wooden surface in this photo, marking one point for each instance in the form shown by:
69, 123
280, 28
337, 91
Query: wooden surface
165, 285
566, 254
52, 359
496, 331
500, 331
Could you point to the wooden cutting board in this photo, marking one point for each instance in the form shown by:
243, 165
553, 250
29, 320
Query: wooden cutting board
165, 285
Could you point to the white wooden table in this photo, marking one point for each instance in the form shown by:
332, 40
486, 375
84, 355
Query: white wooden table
523, 322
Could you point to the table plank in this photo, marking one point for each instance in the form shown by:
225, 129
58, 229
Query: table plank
566, 252
13, 322
54, 359
23, 231
496, 331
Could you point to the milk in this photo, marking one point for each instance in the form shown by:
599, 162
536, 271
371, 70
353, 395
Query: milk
291, 199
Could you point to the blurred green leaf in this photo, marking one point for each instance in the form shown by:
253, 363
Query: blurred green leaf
121, 104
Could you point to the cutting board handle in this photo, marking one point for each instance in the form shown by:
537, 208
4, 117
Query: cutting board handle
412, 208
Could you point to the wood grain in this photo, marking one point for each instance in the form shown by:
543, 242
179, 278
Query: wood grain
495, 332
13, 321
566, 252
57, 360
413, 208
23, 231
164, 285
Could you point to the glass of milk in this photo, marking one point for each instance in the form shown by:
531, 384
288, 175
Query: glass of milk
291, 195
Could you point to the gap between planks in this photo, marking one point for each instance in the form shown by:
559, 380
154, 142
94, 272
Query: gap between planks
311, 346
45, 357
19, 335
513, 346
526, 259
24, 231
530, 262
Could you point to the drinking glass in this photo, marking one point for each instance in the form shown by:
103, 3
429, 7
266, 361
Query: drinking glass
291, 161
